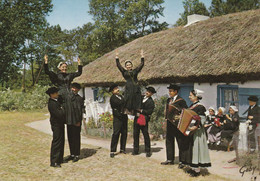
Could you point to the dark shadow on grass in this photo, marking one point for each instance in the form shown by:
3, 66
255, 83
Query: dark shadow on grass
86, 152
142, 149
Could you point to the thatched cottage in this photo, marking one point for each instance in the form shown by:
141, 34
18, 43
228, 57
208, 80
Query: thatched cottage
220, 56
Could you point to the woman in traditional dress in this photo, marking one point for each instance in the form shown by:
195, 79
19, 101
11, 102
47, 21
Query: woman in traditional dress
210, 119
62, 80
214, 132
200, 152
132, 92
231, 124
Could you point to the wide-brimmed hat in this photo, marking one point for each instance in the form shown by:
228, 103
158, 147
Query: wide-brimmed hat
111, 88
174, 87
76, 85
253, 98
52, 90
151, 89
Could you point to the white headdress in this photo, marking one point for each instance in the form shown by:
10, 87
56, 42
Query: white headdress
234, 108
198, 93
222, 109
61, 64
211, 108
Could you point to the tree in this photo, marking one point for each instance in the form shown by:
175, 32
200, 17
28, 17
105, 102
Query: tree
20, 22
191, 7
222, 7
118, 22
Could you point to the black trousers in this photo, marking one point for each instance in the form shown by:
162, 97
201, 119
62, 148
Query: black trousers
144, 130
171, 133
57, 144
119, 127
73, 133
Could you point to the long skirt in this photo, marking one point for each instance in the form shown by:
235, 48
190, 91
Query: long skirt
214, 134
200, 151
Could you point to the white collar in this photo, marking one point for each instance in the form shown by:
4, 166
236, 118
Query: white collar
253, 106
145, 99
174, 98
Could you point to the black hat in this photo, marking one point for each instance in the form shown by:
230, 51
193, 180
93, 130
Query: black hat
151, 89
111, 88
52, 90
253, 98
174, 87
76, 85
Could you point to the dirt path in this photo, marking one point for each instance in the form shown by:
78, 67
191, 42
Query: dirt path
218, 158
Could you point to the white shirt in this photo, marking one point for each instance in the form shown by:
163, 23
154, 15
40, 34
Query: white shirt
174, 98
145, 99
118, 97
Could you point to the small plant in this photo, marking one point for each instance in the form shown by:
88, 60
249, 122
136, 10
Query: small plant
106, 120
157, 124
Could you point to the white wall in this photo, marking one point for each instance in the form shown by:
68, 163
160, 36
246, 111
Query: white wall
251, 84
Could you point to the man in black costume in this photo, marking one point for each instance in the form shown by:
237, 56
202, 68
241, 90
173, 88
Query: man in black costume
57, 120
253, 121
147, 108
73, 130
172, 116
120, 119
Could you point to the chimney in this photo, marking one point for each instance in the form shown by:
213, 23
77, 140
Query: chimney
195, 18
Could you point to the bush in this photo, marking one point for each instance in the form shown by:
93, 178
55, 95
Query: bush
106, 120
157, 124
35, 99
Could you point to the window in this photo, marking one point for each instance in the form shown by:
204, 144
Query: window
227, 96
97, 96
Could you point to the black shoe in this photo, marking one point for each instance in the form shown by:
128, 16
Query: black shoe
112, 155
181, 166
68, 158
148, 154
56, 165
123, 151
134, 153
167, 162
76, 158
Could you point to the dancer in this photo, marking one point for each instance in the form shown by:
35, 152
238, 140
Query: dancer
62, 80
74, 130
146, 110
200, 152
132, 94
120, 119
57, 120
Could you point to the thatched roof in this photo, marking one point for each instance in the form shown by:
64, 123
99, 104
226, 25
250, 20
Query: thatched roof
221, 49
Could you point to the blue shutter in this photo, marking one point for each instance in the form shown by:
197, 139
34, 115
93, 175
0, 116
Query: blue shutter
185, 92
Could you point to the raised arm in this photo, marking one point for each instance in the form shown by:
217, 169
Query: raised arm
119, 66
141, 65
52, 75
79, 72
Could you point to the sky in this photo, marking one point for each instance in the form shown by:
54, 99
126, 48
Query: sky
70, 14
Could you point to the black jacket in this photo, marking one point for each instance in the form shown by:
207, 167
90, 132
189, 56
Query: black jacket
255, 112
147, 108
57, 113
117, 105
78, 108
180, 103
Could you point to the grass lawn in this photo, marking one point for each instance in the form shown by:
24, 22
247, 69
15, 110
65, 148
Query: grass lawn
24, 155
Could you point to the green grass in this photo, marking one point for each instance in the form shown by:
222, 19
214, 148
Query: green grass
24, 155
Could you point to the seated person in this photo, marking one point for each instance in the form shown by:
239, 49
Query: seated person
209, 119
214, 132
231, 124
